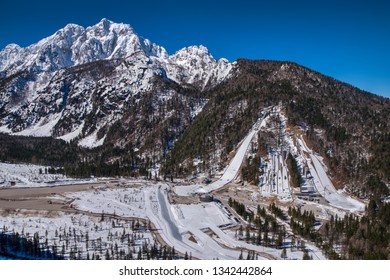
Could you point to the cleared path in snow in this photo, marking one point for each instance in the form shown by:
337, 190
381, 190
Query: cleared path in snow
165, 223
165, 214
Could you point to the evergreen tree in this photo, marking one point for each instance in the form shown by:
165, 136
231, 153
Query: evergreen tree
284, 254
241, 257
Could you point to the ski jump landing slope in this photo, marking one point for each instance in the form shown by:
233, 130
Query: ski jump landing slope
325, 186
234, 167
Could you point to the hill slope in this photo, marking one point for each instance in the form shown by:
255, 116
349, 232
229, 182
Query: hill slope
347, 126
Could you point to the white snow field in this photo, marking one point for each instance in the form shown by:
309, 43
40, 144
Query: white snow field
200, 229
324, 185
78, 232
174, 222
29, 175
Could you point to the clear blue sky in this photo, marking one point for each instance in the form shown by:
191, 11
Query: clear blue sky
348, 40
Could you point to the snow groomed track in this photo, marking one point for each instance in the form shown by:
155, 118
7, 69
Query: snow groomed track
233, 168
324, 185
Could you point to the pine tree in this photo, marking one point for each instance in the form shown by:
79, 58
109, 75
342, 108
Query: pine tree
306, 255
241, 257
284, 254
258, 237
303, 245
247, 233
292, 243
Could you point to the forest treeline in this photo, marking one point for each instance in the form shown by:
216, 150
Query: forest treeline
15, 246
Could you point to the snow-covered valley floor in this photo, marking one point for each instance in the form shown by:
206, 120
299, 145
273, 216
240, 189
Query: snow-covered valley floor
49, 204
29, 175
202, 230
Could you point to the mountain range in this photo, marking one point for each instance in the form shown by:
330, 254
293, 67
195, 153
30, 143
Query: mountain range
49, 88
109, 97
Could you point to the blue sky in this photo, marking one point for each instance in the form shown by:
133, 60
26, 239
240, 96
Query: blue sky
348, 40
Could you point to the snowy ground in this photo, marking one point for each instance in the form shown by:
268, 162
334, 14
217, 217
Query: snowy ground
81, 233
201, 229
176, 223
92, 141
185, 227
43, 128
188, 190
28, 175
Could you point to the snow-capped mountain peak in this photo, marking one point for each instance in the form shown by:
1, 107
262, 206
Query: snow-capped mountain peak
193, 54
9, 55
195, 65
79, 81
75, 45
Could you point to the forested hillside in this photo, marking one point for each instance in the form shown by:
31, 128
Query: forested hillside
347, 126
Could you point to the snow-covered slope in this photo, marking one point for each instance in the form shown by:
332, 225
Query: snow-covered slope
81, 80
30, 175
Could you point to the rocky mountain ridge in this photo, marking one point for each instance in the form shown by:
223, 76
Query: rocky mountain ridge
50, 88
122, 103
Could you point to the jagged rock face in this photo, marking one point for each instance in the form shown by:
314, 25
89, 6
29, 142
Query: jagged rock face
195, 65
78, 82
74, 45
